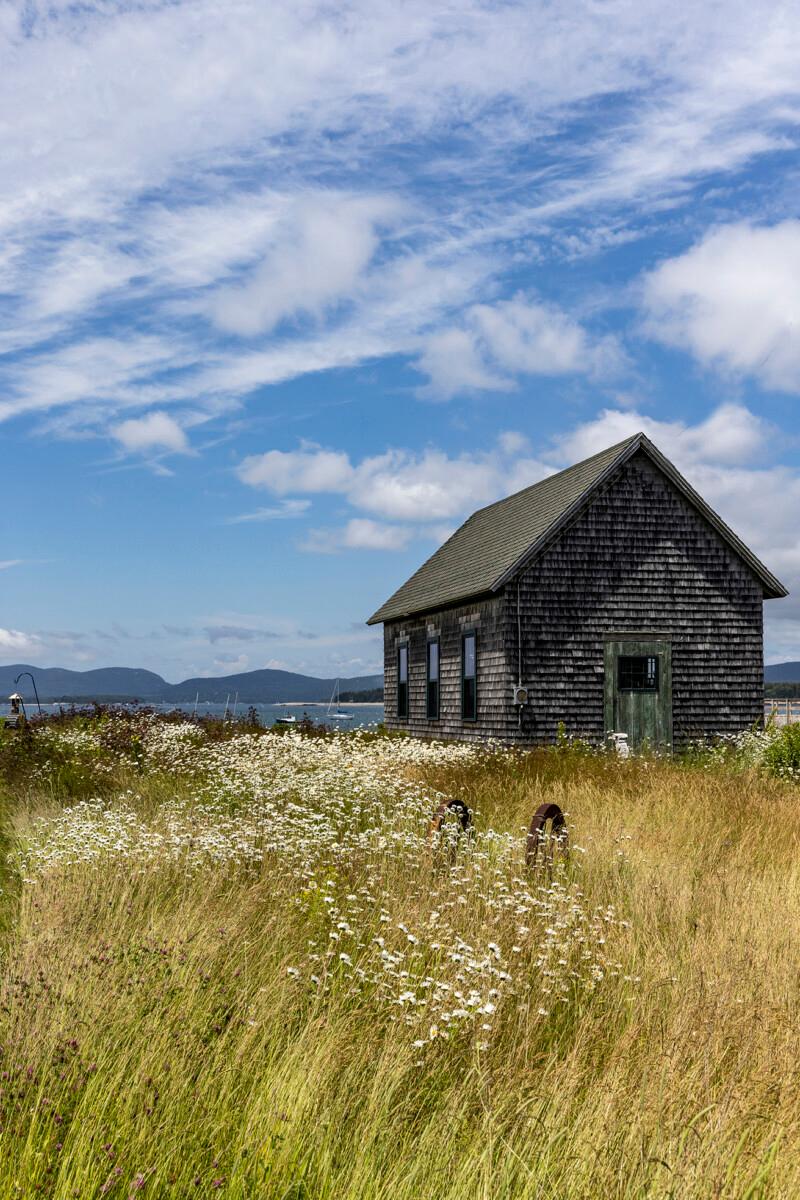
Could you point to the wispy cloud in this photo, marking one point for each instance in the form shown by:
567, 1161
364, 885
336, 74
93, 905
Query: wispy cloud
206, 231
237, 633
287, 510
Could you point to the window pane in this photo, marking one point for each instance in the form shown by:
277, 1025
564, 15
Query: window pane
468, 681
638, 673
432, 695
469, 656
469, 699
402, 681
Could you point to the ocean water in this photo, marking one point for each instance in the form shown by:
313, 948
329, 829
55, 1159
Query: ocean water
363, 714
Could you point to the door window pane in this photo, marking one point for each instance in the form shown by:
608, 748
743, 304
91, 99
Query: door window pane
638, 673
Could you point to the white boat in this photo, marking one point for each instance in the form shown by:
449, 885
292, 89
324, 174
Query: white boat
336, 713
287, 719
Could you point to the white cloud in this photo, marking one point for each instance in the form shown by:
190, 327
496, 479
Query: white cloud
455, 364
730, 435
321, 250
306, 470
399, 485
495, 343
530, 337
359, 533
512, 442
733, 301
6, 563
17, 642
155, 431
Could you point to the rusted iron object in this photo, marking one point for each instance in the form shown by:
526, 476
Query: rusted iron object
458, 808
537, 836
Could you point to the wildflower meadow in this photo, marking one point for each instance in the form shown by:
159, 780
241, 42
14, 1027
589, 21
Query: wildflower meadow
237, 962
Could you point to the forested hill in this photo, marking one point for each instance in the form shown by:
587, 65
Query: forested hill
267, 686
782, 672
121, 683
55, 682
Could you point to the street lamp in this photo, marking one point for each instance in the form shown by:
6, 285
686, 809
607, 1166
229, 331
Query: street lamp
33, 681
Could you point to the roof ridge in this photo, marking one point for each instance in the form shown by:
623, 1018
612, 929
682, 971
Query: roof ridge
584, 462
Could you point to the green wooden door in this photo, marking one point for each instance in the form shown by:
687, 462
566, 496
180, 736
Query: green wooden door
638, 691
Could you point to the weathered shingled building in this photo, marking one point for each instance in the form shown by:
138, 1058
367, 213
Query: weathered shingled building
607, 597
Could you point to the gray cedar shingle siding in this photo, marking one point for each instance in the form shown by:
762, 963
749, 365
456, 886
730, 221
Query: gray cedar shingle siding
640, 558
487, 619
636, 554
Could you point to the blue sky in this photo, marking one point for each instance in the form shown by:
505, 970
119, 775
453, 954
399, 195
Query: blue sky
287, 290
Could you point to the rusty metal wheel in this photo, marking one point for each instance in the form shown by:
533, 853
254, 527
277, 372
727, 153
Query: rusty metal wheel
539, 836
458, 808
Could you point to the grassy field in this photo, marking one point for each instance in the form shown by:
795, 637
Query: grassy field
238, 966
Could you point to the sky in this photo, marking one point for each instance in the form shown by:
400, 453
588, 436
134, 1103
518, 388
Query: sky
287, 290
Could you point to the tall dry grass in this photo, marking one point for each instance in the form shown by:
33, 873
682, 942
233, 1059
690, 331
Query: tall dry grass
154, 1043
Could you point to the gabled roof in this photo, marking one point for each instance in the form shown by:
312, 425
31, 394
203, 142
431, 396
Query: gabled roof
495, 541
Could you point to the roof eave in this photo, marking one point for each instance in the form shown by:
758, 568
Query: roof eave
414, 613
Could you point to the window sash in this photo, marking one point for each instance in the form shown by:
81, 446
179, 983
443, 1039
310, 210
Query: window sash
469, 677
402, 681
432, 679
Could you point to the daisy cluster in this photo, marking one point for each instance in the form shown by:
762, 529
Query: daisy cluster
445, 933
251, 796
483, 942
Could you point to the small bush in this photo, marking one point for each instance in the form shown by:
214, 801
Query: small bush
782, 755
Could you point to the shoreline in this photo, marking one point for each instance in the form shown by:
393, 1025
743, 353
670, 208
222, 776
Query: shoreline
324, 703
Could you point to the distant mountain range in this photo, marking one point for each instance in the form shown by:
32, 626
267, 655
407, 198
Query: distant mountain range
267, 686
128, 683
788, 672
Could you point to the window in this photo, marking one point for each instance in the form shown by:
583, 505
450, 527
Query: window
469, 678
638, 673
433, 681
402, 681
